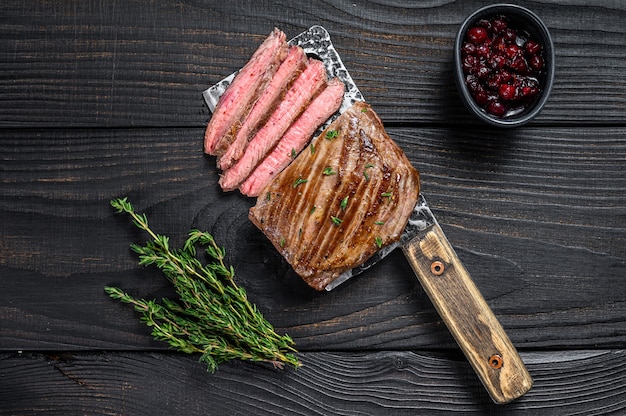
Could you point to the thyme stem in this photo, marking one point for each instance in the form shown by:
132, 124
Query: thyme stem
213, 316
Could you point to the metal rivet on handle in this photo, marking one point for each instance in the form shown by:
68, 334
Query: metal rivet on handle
495, 361
437, 268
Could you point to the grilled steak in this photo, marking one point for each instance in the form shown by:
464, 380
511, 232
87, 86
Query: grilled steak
263, 108
296, 137
347, 196
243, 92
303, 90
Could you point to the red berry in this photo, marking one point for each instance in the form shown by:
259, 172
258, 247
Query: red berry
528, 92
483, 51
519, 64
496, 108
483, 72
493, 82
500, 66
510, 35
499, 45
499, 25
497, 61
472, 83
469, 48
470, 62
477, 34
507, 92
512, 51
484, 23
505, 75
536, 62
481, 97
532, 47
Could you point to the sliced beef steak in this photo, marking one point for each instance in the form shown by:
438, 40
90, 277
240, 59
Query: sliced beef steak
347, 196
291, 67
310, 82
296, 138
243, 92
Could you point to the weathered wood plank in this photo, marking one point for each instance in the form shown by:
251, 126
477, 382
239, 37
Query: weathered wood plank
374, 383
88, 63
536, 215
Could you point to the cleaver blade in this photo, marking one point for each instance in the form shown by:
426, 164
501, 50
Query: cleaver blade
445, 280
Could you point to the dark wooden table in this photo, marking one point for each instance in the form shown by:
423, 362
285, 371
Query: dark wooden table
102, 99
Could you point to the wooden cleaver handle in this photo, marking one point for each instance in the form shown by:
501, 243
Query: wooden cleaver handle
467, 316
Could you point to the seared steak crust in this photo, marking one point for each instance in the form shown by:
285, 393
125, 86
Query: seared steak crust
347, 196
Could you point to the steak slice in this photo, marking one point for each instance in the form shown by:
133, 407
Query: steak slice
297, 136
244, 90
267, 102
350, 194
303, 90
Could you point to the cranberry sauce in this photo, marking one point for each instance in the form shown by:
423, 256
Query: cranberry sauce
502, 65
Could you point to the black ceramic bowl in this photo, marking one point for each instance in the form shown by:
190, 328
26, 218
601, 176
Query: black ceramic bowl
518, 112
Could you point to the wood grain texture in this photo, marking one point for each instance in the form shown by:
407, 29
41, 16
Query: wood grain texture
467, 315
516, 206
103, 99
88, 63
368, 383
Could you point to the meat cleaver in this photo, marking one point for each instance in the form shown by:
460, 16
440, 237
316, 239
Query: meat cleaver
435, 263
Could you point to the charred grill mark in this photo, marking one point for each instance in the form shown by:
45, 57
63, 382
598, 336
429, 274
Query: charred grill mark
335, 185
356, 219
330, 241
316, 223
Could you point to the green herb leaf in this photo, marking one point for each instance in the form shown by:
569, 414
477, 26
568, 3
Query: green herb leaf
212, 317
365, 173
344, 204
332, 134
299, 181
336, 221
379, 242
328, 171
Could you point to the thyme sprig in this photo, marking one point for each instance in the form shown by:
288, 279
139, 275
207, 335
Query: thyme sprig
213, 316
